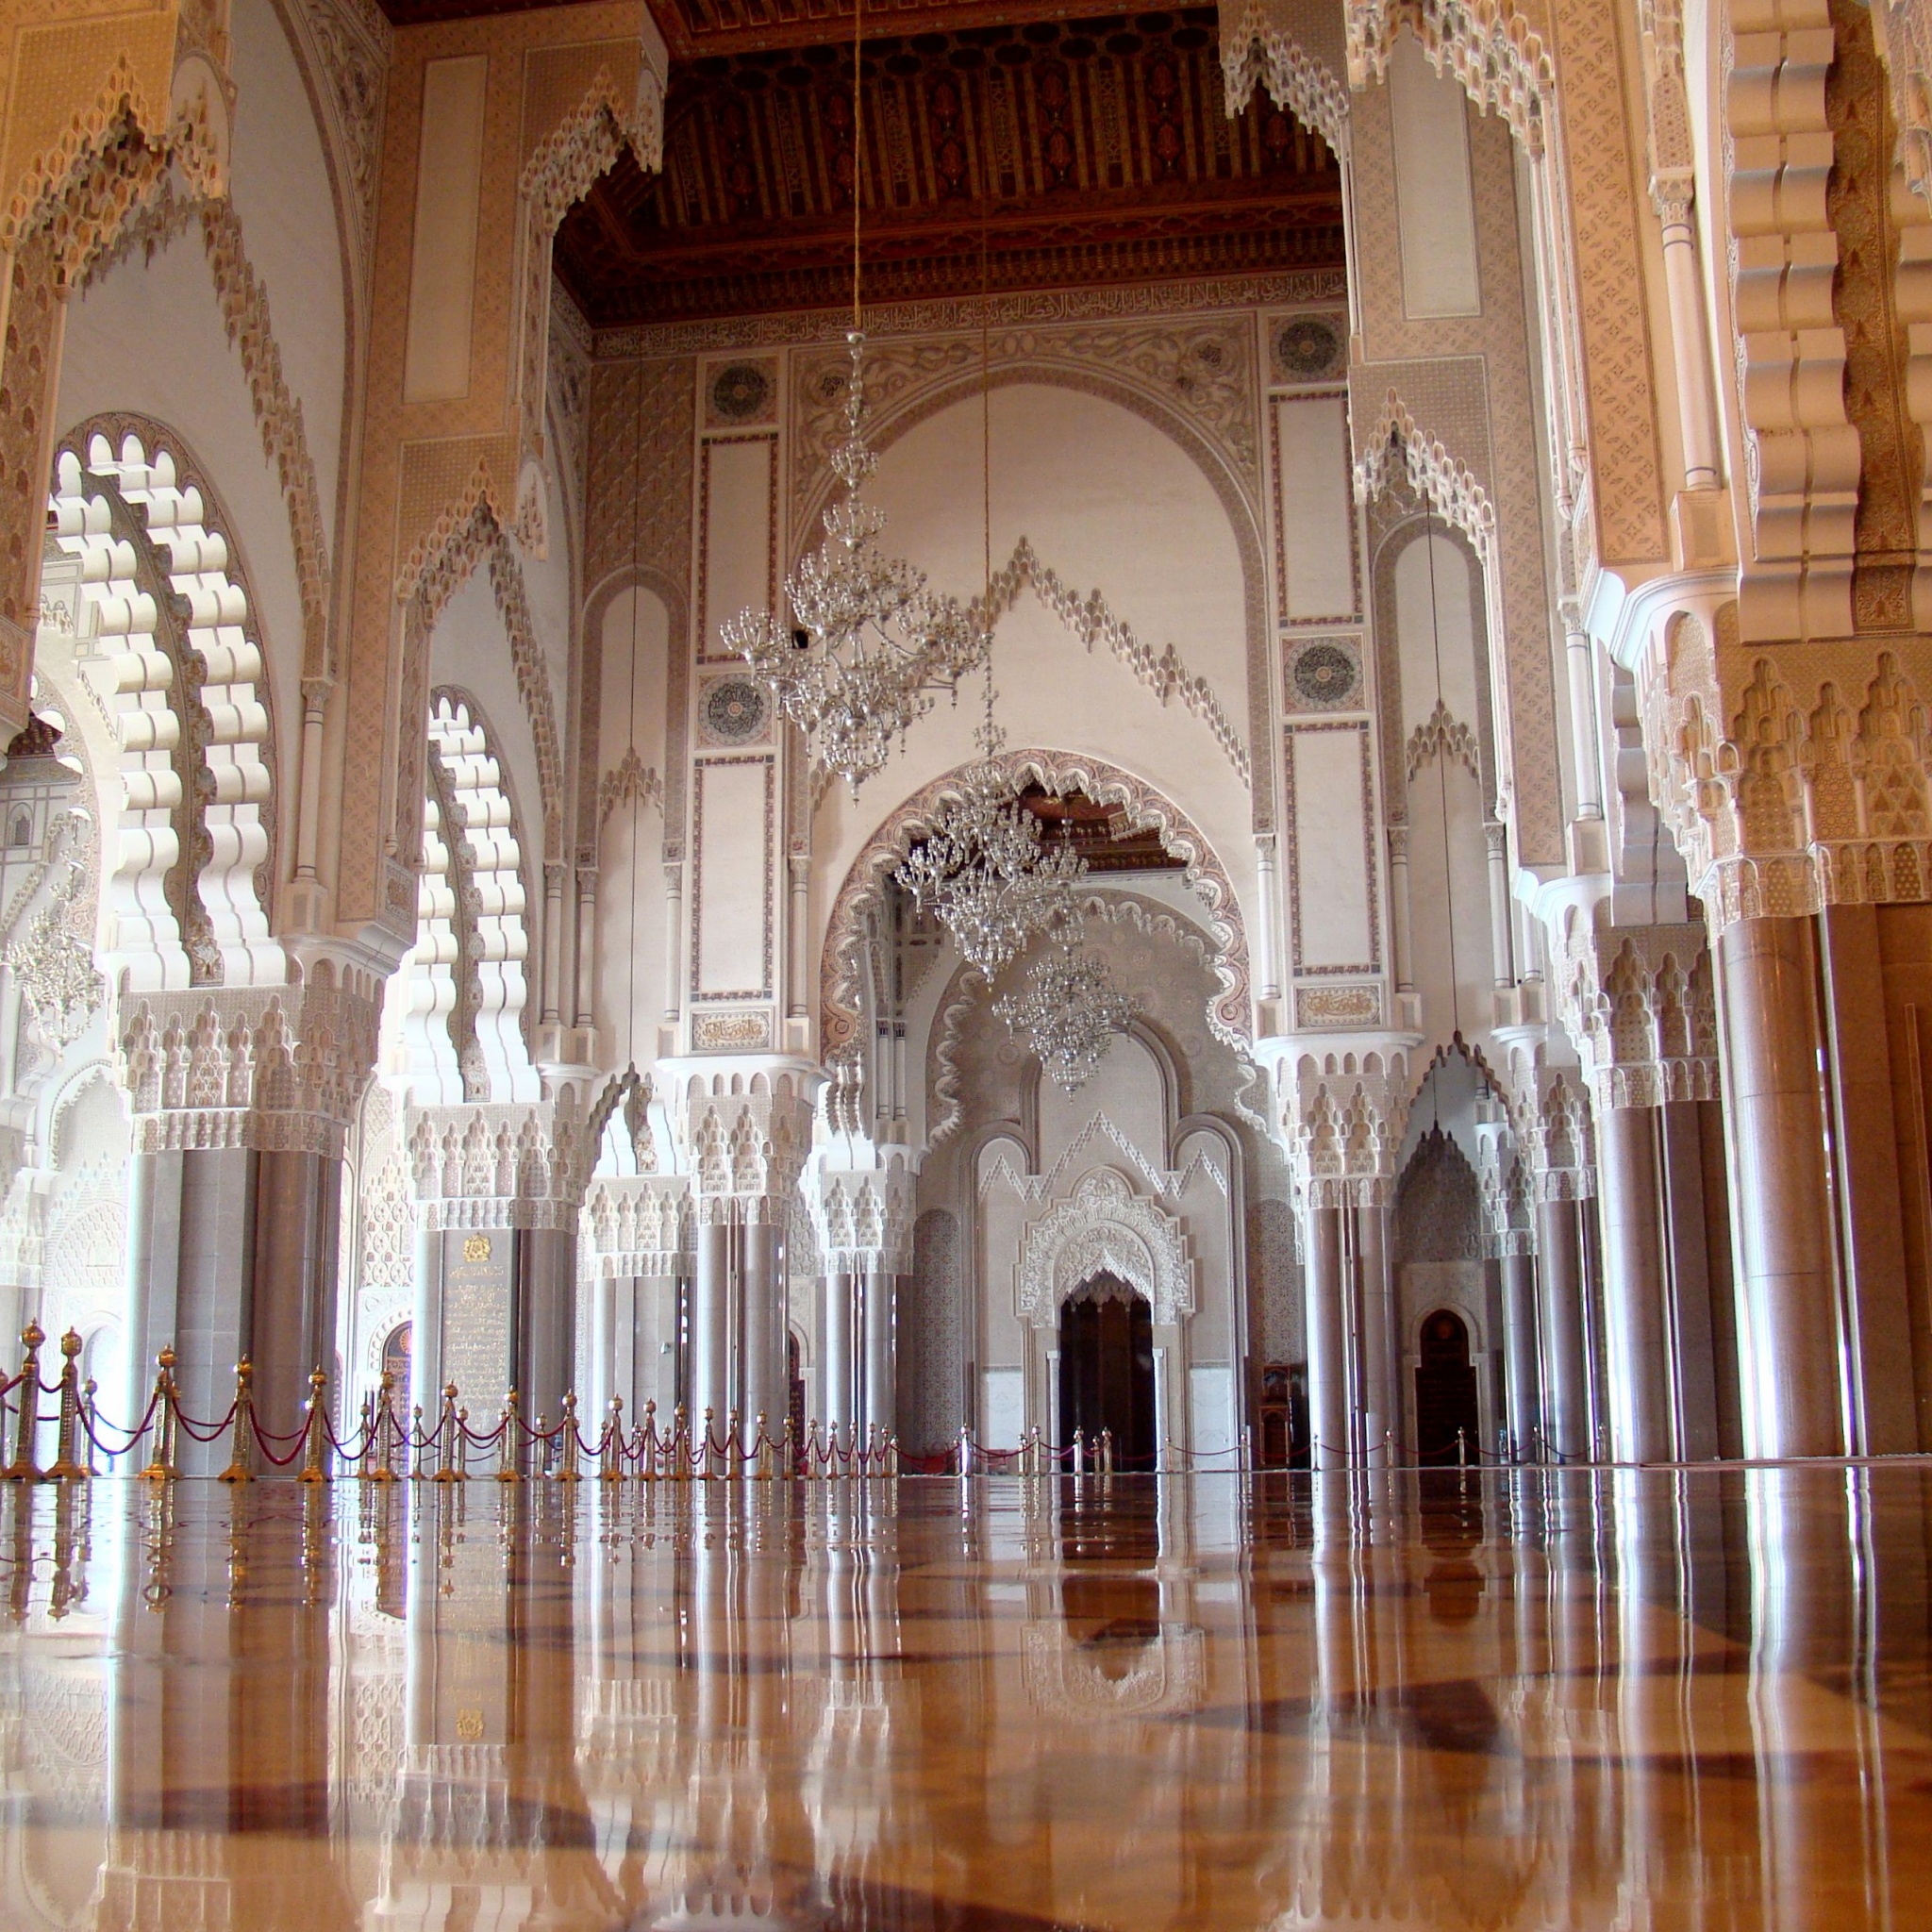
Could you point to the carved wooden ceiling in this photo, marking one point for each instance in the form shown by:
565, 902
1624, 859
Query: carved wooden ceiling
1104, 142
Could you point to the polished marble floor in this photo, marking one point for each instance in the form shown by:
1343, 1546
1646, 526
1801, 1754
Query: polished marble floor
1577, 1701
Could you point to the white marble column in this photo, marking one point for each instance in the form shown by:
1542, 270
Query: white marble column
1329, 1417
426, 1322
1683, 290
881, 1323
1523, 1394
763, 1380
842, 1353
1380, 1392
1565, 1363
711, 1316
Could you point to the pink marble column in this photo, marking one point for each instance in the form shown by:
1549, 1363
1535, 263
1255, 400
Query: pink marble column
1789, 1345
1635, 1315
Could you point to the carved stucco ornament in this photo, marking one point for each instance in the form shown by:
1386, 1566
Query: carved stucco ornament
1105, 1227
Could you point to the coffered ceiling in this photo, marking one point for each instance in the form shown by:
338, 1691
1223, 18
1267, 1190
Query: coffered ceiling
1047, 148
1046, 155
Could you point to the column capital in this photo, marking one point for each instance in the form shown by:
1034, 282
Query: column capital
742, 1122
1341, 1111
504, 1164
1637, 1003
271, 1068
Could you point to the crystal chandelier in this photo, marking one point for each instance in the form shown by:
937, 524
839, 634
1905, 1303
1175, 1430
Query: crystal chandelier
984, 869
1069, 1013
871, 646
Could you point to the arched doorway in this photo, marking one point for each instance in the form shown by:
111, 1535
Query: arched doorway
1446, 1404
1106, 1368
395, 1363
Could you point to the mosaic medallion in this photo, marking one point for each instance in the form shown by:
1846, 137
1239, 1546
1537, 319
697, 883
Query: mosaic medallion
1306, 348
1326, 675
740, 392
735, 711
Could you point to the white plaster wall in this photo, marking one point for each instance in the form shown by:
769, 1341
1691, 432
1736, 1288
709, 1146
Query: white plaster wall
1109, 502
1433, 616
547, 584
471, 649
148, 339
282, 197
1125, 1093
630, 997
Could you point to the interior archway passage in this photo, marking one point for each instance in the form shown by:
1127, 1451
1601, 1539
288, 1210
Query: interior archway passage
1107, 1370
1445, 1401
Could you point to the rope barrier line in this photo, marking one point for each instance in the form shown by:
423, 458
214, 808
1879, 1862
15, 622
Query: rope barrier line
556, 1451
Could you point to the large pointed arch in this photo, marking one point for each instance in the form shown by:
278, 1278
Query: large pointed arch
862, 895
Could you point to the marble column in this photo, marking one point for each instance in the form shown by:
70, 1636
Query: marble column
880, 1407
154, 1254
1380, 1392
1788, 1340
214, 1292
1636, 1323
841, 1299
293, 1310
1329, 1417
1690, 1212
763, 1379
1523, 1393
546, 1301
1684, 292
711, 1316
1565, 1365
426, 1322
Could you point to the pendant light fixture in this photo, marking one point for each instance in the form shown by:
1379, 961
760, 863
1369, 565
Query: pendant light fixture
868, 647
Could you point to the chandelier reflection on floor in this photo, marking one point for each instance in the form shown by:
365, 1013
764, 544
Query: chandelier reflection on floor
871, 647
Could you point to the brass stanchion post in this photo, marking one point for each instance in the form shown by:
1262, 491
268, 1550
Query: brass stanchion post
384, 1471
160, 1466
65, 1468
315, 1430
506, 1446
612, 1447
241, 1450
446, 1430
570, 1472
24, 1469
